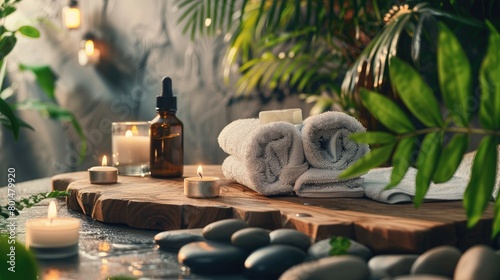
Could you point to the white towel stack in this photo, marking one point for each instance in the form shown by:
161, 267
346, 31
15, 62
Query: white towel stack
266, 158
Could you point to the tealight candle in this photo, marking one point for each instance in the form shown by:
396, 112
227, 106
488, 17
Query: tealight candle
52, 237
103, 174
201, 187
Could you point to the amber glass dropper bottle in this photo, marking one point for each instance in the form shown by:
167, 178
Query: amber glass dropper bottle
167, 150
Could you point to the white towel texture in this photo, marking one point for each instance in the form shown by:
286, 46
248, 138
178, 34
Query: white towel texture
266, 158
328, 151
377, 179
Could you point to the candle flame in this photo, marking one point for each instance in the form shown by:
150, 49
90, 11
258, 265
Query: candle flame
52, 210
200, 171
129, 133
104, 161
134, 130
89, 47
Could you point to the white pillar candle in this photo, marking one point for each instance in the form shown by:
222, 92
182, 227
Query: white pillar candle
130, 149
47, 235
293, 116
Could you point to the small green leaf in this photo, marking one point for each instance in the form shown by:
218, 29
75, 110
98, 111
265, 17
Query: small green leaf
45, 77
7, 43
426, 163
401, 160
7, 111
25, 265
496, 221
454, 75
339, 245
375, 137
7, 11
482, 181
374, 158
29, 31
386, 111
450, 158
489, 110
415, 93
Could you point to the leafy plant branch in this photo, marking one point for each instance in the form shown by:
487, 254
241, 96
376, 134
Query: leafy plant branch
27, 202
437, 160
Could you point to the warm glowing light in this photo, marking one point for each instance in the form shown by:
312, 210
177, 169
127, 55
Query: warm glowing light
89, 47
52, 210
281, 55
71, 17
52, 274
129, 133
134, 130
104, 161
208, 21
104, 246
200, 171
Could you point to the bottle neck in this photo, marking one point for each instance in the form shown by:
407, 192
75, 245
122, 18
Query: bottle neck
164, 113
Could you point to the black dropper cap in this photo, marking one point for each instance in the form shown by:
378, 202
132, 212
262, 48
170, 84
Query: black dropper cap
167, 101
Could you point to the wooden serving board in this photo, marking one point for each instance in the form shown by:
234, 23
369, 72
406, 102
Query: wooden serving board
160, 204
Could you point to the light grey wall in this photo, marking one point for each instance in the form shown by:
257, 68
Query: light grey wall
143, 43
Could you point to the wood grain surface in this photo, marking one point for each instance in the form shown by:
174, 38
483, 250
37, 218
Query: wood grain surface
160, 204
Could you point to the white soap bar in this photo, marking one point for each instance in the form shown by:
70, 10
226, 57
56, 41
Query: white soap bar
293, 116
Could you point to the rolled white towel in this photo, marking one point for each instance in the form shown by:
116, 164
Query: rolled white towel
329, 150
326, 140
266, 158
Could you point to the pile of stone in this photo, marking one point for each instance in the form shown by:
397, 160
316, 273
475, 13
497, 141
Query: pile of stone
231, 246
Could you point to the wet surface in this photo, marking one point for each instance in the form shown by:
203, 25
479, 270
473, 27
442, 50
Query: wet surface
105, 250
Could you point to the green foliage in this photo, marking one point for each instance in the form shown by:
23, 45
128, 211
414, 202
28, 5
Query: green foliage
45, 77
29, 202
25, 266
300, 46
437, 161
339, 245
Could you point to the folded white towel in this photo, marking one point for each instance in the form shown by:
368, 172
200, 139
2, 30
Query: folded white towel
266, 158
328, 151
465, 168
377, 179
317, 182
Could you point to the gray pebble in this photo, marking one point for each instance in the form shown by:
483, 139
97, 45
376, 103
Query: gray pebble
271, 261
479, 262
336, 267
390, 265
251, 238
291, 237
321, 249
441, 261
175, 239
222, 230
212, 257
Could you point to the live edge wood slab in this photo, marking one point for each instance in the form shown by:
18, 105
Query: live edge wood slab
160, 204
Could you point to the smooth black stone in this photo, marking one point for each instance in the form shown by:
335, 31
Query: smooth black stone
223, 230
173, 240
292, 237
212, 257
271, 261
251, 238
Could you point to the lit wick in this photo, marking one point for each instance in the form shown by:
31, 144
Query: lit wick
200, 171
